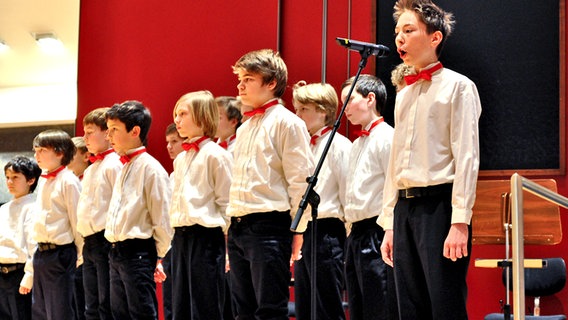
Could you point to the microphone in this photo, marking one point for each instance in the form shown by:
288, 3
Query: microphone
371, 48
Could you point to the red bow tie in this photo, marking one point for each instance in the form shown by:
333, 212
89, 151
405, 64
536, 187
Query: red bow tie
53, 174
261, 110
366, 133
127, 157
225, 143
100, 156
314, 138
424, 74
193, 145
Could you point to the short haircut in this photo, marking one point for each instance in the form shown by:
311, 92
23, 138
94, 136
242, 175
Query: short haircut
80, 145
433, 17
26, 166
232, 108
269, 65
366, 84
59, 141
322, 95
132, 113
171, 129
202, 107
97, 117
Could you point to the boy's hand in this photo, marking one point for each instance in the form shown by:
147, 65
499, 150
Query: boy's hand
455, 246
24, 290
227, 264
159, 274
297, 242
386, 247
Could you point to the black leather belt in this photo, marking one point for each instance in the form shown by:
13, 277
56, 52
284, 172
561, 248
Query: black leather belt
7, 268
255, 217
51, 246
425, 191
134, 245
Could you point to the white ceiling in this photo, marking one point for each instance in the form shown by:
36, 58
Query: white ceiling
24, 64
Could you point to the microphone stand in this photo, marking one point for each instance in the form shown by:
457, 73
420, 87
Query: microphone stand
311, 197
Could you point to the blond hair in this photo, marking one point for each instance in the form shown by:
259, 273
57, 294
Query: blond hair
321, 95
201, 105
398, 74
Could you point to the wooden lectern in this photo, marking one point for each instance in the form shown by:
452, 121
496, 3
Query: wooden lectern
491, 223
491, 213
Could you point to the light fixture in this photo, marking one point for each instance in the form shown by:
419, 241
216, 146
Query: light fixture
3, 46
49, 43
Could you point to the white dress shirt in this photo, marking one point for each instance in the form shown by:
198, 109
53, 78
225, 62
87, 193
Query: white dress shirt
56, 219
98, 182
368, 165
140, 202
272, 159
436, 141
332, 176
16, 241
201, 187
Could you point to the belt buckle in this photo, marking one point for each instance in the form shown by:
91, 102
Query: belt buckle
407, 194
4, 270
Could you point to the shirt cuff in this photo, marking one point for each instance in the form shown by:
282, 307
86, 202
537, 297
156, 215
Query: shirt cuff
385, 221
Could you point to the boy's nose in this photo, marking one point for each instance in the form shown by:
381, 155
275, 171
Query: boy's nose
398, 38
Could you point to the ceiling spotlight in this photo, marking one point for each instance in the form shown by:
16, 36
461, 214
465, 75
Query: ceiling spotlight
48, 42
3, 46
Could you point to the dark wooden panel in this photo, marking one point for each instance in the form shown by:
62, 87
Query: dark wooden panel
513, 51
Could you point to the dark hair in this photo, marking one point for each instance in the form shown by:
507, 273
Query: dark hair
59, 141
232, 108
433, 17
132, 113
268, 64
171, 129
97, 117
366, 84
26, 166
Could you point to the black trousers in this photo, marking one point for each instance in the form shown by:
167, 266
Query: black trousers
428, 285
330, 242
96, 277
79, 294
14, 305
370, 282
260, 247
167, 286
198, 273
52, 293
132, 285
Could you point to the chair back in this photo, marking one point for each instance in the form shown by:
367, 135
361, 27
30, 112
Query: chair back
542, 282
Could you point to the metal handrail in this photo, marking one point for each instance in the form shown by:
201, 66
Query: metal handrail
518, 184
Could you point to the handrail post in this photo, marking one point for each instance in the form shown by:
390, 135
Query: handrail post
518, 247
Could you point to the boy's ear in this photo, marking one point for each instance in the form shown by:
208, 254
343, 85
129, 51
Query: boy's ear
271, 85
436, 38
135, 131
233, 122
85, 156
372, 98
31, 181
58, 154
